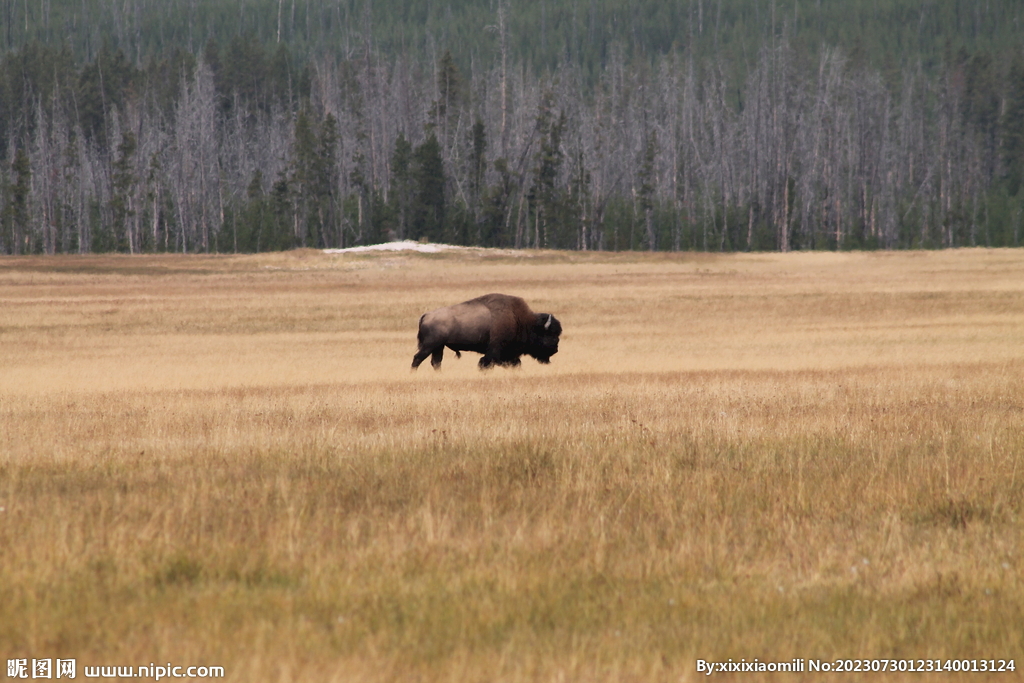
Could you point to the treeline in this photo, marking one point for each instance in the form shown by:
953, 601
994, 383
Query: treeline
248, 146
881, 34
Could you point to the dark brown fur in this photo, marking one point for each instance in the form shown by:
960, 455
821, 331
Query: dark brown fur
499, 326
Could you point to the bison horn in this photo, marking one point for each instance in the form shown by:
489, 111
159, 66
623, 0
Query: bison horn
547, 325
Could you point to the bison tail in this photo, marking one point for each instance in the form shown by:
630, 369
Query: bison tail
419, 333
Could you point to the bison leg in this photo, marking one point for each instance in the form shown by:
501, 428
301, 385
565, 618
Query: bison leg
506, 358
427, 350
493, 356
436, 354
420, 356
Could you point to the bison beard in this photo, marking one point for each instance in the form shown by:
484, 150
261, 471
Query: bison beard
499, 326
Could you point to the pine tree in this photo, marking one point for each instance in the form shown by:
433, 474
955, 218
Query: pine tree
304, 180
17, 205
982, 110
545, 195
1013, 129
327, 182
645, 194
496, 207
401, 195
122, 202
429, 205
314, 179
477, 171
102, 88
449, 97
282, 235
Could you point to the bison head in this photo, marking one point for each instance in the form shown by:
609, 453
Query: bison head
544, 337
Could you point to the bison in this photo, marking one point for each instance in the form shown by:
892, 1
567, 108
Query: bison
499, 326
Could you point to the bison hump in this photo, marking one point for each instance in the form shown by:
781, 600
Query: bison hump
505, 304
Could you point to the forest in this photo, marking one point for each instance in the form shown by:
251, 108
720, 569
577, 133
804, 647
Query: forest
253, 125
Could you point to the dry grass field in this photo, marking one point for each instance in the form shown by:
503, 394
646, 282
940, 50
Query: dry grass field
226, 461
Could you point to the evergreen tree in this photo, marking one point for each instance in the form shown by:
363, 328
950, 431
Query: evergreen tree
313, 181
402, 188
545, 195
982, 107
121, 202
262, 225
1013, 129
282, 236
304, 180
327, 182
645, 193
17, 205
102, 88
428, 211
244, 75
449, 96
477, 163
363, 192
578, 220
496, 207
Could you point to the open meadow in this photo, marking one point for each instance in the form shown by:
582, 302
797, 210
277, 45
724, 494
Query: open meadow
226, 461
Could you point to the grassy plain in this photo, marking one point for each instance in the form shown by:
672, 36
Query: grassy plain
226, 461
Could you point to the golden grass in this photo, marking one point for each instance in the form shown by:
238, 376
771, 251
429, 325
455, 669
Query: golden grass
226, 461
